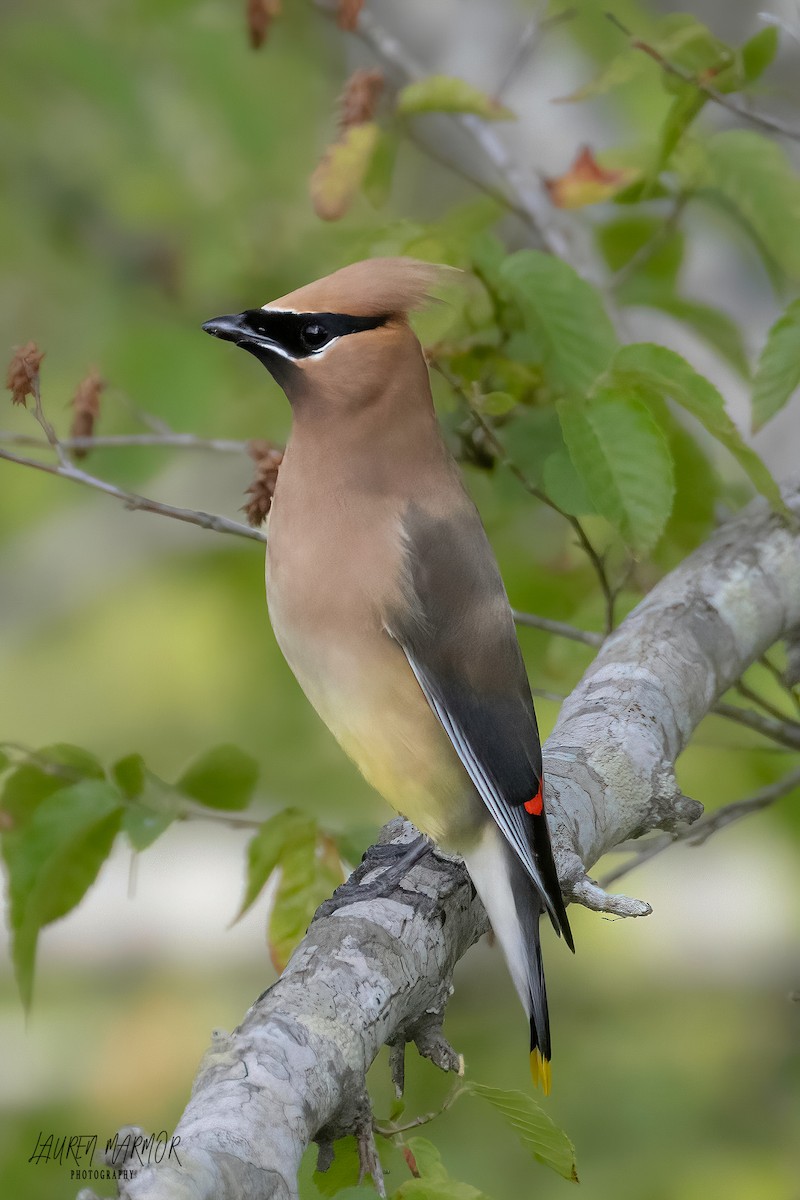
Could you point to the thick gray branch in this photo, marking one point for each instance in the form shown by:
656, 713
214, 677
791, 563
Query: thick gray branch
379, 971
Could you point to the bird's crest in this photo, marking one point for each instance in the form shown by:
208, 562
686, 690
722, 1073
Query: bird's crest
375, 287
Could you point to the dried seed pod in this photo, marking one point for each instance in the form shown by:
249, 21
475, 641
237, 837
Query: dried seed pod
86, 409
268, 458
23, 373
260, 15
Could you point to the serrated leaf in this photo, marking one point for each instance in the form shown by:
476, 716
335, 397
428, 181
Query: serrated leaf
224, 777
778, 372
565, 486
647, 365
310, 870
624, 461
754, 178
712, 324
342, 170
268, 846
696, 490
687, 105
758, 52
446, 93
547, 1143
53, 861
565, 314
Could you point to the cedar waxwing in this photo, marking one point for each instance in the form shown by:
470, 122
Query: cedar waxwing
387, 601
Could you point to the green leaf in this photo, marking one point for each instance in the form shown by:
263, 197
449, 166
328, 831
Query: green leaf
778, 371
714, 326
753, 177
23, 792
565, 314
620, 70
52, 863
648, 366
76, 762
310, 870
224, 777
696, 491
565, 486
129, 775
620, 239
268, 846
434, 1183
5, 761
758, 52
687, 105
547, 1143
496, 404
624, 461
446, 93
343, 1171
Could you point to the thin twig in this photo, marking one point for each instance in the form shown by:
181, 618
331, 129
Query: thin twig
528, 199
753, 696
780, 679
772, 124
559, 628
785, 733
642, 256
696, 835
390, 1131
170, 439
136, 502
532, 490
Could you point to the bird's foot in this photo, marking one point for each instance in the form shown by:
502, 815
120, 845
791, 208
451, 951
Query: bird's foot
393, 861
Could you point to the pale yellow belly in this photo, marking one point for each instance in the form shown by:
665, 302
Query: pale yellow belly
367, 695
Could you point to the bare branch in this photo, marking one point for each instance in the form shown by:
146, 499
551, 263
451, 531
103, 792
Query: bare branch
785, 733
559, 628
378, 970
698, 834
528, 199
132, 500
171, 440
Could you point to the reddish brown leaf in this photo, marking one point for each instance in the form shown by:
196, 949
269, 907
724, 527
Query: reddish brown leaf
23, 373
260, 15
348, 13
267, 457
86, 409
411, 1162
360, 97
586, 182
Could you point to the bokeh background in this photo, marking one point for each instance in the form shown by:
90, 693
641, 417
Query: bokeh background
154, 174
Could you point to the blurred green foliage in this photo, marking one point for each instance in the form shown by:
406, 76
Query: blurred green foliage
155, 171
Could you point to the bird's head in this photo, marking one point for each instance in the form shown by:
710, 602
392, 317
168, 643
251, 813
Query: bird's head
342, 334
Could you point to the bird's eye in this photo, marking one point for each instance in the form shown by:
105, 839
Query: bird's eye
314, 335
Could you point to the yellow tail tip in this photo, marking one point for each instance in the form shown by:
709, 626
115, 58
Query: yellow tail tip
541, 1072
